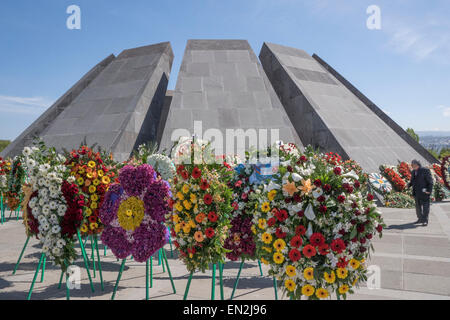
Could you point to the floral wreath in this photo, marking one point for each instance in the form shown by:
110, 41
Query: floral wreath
445, 171
380, 183
133, 213
315, 225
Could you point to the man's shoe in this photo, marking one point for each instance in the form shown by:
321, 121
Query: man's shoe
418, 221
424, 223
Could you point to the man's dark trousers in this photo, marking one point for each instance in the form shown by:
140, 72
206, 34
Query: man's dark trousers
422, 209
422, 186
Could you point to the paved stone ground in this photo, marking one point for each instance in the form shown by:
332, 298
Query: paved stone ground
414, 263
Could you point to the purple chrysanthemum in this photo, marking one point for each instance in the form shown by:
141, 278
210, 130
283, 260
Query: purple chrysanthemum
108, 210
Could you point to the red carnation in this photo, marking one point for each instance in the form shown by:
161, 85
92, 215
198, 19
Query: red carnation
280, 234
309, 251
271, 221
282, 215
337, 245
185, 175
294, 255
207, 198
323, 249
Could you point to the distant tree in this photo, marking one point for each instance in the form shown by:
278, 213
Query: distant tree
433, 152
4, 144
444, 152
414, 135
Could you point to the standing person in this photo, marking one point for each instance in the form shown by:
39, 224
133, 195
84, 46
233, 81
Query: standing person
422, 185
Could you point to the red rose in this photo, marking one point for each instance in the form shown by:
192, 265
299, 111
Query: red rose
317, 182
207, 198
300, 213
327, 188
341, 198
294, 255
180, 169
357, 184
196, 173
209, 232
321, 198
337, 171
323, 208
296, 241
309, 251
370, 197
303, 159
379, 228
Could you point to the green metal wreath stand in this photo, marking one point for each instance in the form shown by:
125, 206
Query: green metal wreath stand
42, 260
213, 282
162, 258
261, 272
3, 206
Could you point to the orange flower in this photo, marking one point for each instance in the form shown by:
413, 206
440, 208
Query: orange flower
198, 236
290, 188
200, 217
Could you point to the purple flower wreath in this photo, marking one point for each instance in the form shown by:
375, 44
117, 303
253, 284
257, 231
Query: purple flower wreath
133, 213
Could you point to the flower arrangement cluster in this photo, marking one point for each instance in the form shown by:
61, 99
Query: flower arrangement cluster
404, 169
201, 206
55, 208
163, 165
314, 225
15, 180
379, 183
399, 200
93, 178
396, 180
445, 171
134, 211
5, 168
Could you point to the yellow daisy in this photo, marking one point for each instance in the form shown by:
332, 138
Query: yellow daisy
278, 258
307, 290
279, 244
329, 277
322, 293
262, 223
342, 273
91, 164
266, 238
308, 273
265, 207
344, 289
271, 195
354, 264
290, 285
291, 271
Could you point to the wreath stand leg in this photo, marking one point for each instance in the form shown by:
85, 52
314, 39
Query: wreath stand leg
237, 279
168, 271
213, 283
118, 278
161, 254
104, 248
146, 279
35, 276
92, 255
43, 268
275, 288
83, 251
2, 207
21, 254
151, 272
221, 280
99, 263
67, 287
188, 285
260, 268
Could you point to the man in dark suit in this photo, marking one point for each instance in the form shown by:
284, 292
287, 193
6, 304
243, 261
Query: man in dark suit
422, 185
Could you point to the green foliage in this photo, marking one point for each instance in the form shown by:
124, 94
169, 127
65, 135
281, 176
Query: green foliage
414, 135
4, 144
434, 153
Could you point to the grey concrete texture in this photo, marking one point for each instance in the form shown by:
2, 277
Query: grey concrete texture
39, 126
327, 115
121, 108
423, 273
222, 84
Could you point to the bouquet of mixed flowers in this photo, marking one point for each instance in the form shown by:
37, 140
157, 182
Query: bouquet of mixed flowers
5, 168
392, 175
93, 178
133, 213
445, 171
399, 200
201, 206
404, 169
314, 226
55, 207
15, 179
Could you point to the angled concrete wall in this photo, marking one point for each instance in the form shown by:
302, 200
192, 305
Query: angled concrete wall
328, 115
121, 107
383, 116
222, 84
39, 126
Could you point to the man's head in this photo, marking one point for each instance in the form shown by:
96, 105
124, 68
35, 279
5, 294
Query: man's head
415, 164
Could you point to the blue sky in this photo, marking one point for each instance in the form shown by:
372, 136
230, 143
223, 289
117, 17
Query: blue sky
404, 67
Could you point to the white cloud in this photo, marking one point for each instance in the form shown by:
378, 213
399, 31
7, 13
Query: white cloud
421, 39
445, 110
23, 105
